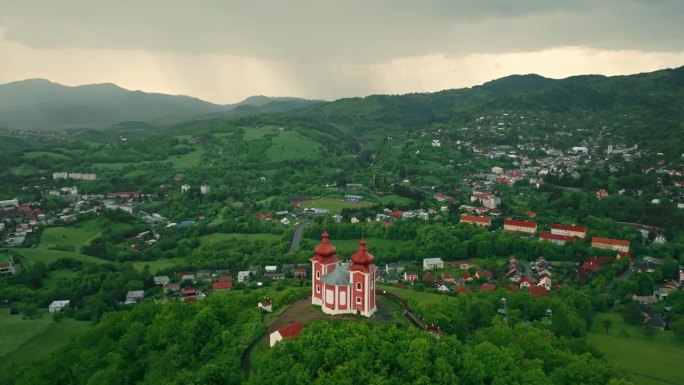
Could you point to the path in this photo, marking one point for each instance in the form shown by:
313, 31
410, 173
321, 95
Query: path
298, 235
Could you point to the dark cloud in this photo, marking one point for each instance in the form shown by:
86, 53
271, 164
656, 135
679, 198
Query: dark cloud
350, 30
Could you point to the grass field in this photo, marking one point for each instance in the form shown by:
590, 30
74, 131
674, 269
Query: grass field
290, 145
189, 160
158, 265
253, 133
53, 155
398, 200
334, 205
39, 254
31, 340
646, 359
216, 237
413, 296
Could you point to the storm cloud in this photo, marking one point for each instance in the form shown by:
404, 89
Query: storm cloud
331, 49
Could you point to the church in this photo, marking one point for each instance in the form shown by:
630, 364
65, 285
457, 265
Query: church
343, 287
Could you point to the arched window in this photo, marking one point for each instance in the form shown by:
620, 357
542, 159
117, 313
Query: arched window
358, 286
318, 275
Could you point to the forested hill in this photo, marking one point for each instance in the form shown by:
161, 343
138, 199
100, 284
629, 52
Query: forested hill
653, 99
38, 104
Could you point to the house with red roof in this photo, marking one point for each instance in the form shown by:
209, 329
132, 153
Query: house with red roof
610, 244
569, 230
475, 220
555, 238
520, 226
602, 193
537, 291
222, 286
290, 331
525, 282
487, 287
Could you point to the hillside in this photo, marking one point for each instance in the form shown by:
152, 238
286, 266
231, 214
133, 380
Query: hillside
38, 104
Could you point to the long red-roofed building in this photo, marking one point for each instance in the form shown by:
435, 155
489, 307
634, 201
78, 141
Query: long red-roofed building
555, 238
569, 230
610, 244
520, 226
475, 220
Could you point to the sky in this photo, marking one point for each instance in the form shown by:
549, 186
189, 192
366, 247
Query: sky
224, 51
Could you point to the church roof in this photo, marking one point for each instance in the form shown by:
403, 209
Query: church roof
362, 256
325, 251
339, 276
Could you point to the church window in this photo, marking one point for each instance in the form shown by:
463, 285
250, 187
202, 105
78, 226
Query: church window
318, 275
318, 289
358, 286
358, 299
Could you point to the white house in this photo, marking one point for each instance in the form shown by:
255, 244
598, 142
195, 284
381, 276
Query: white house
57, 306
243, 276
266, 304
161, 280
271, 268
134, 296
433, 263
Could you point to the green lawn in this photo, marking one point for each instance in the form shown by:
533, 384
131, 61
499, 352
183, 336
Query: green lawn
253, 133
642, 357
216, 237
189, 160
31, 340
117, 166
290, 145
398, 200
349, 246
36, 154
39, 254
158, 265
334, 205
413, 296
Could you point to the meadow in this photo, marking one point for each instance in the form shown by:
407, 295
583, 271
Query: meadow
27, 340
334, 205
649, 360
217, 237
291, 145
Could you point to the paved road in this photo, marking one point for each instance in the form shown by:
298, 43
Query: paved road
298, 235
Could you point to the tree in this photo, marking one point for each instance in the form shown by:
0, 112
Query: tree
607, 322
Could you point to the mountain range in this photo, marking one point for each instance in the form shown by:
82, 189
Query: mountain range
39, 104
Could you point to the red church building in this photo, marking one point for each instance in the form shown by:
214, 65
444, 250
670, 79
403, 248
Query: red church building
343, 287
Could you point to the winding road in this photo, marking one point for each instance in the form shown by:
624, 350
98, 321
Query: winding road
298, 235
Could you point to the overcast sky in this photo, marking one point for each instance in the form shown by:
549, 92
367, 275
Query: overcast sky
224, 51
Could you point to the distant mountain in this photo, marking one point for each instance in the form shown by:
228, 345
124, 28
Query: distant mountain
38, 104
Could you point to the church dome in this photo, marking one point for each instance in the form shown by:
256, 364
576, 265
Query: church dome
325, 249
362, 256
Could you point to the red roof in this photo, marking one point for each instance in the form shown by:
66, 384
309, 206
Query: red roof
325, 251
558, 226
594, 263
525, 279
487, 287
538, 291
514, 222
462, 289
222, 285
396, 214
555, 237
610, 242
292, 330
476, 219
190, 299
188, 292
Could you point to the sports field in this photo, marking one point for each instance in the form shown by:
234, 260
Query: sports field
334, 205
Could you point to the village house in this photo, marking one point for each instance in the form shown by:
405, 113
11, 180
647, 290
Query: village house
243, 276
480, 221
410, 276
289, 331
299, 273
569, 230
225, 285
433, 264
555, 238
57, 306
520, 226
134, 296
610, 244
266, 305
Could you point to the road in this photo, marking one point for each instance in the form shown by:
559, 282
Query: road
298, 235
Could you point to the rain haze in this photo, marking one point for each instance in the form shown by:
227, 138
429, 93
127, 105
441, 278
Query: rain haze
224, 51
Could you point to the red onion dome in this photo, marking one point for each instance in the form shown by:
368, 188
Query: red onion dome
325, 249
362, 256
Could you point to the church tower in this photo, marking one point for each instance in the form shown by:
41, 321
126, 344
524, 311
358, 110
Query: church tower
362, 278
323, 262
